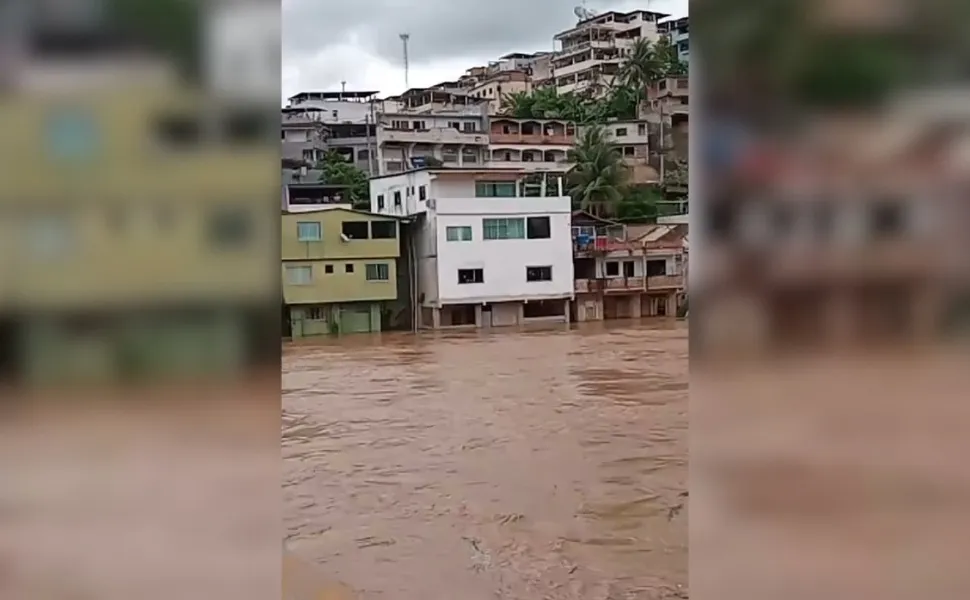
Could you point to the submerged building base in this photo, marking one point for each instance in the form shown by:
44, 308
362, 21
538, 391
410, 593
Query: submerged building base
496, 314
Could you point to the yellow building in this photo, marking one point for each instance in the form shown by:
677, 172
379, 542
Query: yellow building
137, 234
340, 270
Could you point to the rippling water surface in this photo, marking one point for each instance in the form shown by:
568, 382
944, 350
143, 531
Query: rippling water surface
533, 465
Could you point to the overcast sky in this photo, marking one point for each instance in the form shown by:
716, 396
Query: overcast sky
329, 41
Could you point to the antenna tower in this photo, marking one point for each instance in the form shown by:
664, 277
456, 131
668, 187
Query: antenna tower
405, 37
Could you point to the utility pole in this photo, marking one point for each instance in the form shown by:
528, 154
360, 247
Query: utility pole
343, 89
405, 38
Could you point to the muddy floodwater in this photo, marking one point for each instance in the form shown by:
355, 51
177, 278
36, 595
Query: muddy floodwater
544, 464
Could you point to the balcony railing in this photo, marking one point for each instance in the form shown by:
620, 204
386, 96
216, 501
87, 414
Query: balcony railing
440, 135
556, 139
609, 284
628, 284
665, 282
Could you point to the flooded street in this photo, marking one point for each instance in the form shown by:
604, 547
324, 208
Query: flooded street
515, 465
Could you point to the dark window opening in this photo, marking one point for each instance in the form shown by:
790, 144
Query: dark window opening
656, 268
612, 269
380, 201
471, 276
538, 273
628, 268
229, 228
888, 219
383, 230
355, 230
423, 192
179, 130
538, 228
397, 198
247, 127
349, 268
328, 269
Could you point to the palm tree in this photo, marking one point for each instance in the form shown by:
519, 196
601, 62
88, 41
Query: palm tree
597, 181
518, 105
643, 66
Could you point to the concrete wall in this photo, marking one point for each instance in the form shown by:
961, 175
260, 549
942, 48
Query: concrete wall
504, 262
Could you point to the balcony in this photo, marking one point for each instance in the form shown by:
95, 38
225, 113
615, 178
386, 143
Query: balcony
438, 135
609, 284
665, 282
535, 139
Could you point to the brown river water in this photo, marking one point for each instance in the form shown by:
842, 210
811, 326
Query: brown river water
547, 464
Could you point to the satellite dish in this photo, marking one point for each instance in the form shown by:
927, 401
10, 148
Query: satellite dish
582, 13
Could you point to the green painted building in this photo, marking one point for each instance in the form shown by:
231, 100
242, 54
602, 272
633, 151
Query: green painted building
339, 270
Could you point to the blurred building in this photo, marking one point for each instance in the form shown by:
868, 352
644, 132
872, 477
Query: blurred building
140, 233
843, 239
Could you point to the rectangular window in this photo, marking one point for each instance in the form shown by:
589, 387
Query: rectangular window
308, 231
349, 268
230, 227
469, 127
628, 268
380, 202
538, 273
355, 230
383, 230
471, 276
641, 129
538, 228
377, 272
503, 229
458, 234
328, 269
621, 132
612, 269
495, 189
302, 275
397, 198
656, 267
423, 192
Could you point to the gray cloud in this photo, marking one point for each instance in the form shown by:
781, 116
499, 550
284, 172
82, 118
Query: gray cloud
439, 28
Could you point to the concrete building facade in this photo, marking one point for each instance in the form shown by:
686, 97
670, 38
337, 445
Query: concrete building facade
530, 144
590, 54
489, 250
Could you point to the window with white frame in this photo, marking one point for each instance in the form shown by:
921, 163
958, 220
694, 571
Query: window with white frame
308, 231
299, 274
458, 234
503, 229
377, 272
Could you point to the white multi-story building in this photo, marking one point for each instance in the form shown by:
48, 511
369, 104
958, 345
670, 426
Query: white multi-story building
489, 247
590, 53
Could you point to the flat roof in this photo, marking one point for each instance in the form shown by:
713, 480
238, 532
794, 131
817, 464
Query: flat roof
339, 207
615, 13
332, 95
454, 170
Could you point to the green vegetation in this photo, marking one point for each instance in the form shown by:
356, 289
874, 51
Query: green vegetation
647, 63
599, 179
338, 171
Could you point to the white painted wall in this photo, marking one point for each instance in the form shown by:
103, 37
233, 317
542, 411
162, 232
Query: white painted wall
504, 262
338, 111
409, 185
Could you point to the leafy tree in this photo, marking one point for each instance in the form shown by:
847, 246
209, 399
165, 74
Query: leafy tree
598, 180
639, 204
338, 171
